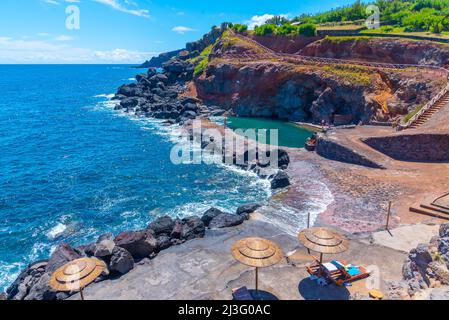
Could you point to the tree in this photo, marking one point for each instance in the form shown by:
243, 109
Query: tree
241, 28
265, 29
277, 20
307, 30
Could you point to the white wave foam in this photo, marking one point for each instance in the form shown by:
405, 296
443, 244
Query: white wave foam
56, 231
105, 95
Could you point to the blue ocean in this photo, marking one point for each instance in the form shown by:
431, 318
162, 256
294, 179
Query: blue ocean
72, 168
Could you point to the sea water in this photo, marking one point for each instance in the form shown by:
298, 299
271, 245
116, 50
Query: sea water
72, 168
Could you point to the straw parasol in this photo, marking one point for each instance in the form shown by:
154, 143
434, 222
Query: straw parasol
323, 240
77, 274
258, 253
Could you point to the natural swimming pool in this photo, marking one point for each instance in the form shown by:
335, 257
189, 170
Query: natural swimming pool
289, 134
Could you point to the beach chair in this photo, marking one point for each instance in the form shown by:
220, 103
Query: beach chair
242, 294
350, 272
339, 272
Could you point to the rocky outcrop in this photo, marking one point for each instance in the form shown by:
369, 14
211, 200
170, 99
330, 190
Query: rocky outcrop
280, 180
140, 244
121, 261
380, 49
156, 62
248, 208
425, 270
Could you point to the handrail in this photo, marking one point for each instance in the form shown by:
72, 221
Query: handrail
301, 58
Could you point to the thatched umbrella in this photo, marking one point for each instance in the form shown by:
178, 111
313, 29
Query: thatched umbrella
258, 253
323, 240
77, 274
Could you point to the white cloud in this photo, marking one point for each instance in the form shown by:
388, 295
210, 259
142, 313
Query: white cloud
39, 51
260, 20
52, 2
64, 38
182, 29
123, 56
116, 5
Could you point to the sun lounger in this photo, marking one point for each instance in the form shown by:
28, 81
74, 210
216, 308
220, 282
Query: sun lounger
338, 272
242, 294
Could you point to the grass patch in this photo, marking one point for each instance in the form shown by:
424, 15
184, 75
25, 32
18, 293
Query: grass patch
339, 39
412, 113
353, 74
201, 61
200, 67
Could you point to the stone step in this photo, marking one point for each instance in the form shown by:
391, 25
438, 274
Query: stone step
434, 208
430, 213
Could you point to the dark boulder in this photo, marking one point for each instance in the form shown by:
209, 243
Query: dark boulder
41, 290
163, 225
177, 66
63, 254
129, 103
177, 230
121, 261
163, 242
19, 289
444, 230
190, 107
151, 72
187, 100
421, 256
141, 77
130, 90
283, 159
248, 208
140, 244
280, 180
226, 220
209, 215
104, 248
192, 228
189, 114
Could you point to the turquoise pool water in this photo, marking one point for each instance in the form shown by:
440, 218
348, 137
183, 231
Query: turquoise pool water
289, 134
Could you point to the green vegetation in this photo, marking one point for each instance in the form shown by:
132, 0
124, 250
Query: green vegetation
415, 17
241, 28
410, 15
287, 29
412, 113
353, 74
201, 61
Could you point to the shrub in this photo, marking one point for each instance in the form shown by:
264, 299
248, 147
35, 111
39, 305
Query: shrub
265, 29
287, 30
387, 29
307, 30
241, 28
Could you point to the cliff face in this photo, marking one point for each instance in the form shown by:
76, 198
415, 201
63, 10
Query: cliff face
276, 90
380, 50
333, 93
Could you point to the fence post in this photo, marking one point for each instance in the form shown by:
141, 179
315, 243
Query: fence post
388, 215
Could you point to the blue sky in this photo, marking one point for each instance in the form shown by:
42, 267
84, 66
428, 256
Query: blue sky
125, 31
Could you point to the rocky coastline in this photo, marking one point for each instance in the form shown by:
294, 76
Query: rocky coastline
160, 95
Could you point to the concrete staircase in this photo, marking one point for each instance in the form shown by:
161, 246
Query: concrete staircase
443, 101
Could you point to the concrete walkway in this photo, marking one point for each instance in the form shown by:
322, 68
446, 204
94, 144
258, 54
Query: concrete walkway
205, 269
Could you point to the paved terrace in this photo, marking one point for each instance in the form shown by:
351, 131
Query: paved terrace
205, 269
